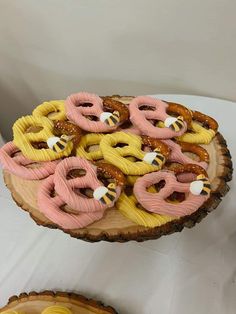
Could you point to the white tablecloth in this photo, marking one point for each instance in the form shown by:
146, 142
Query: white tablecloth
192, 272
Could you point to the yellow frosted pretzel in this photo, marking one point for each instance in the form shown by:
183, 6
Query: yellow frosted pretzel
53, 110
119, 156
90, 140
26, 138
56, 309
128, 206
199, 134
12, 312
130, 180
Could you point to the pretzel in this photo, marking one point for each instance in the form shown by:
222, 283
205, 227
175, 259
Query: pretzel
112, 104
103, 197
69, 129
17, 164
142, 119
82, 107
130, 180
132, 129
128, 206
26, 139
196, 192
53, 110
90, 140
110, 171
199, 134
56, 309
51, 207
149, 161
178, 148
174, 108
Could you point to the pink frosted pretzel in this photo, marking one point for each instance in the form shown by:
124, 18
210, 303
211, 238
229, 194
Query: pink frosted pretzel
51, 207
18, 164
131, 129
82, 107
103, 197
156, 110
177, 153
196, 192
178, 148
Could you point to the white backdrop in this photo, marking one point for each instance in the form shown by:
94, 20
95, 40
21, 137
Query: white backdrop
192, 272
51, 48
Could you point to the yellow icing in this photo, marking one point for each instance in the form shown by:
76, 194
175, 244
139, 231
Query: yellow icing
160, 124
127, 205
12, 312
56, 309
200, 135
130, 180
23, 138
133, 149
56, 107
90, 139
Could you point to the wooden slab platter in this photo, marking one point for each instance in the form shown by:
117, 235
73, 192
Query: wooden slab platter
114, 227
35, 303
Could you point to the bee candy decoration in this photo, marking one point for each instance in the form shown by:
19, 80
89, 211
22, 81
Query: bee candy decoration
201, 130
145, 111
87, 111
134, 163
35, 137
196, 192
58, 144
69, 131
85, 209
51, 207
111, 119
65, 187
144, 161
107, 195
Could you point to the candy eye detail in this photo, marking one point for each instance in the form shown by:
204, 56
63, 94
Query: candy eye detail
58, 144
112, 186
176, 124
109, 118
201, 186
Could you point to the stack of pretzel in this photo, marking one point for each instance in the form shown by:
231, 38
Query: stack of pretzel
92, 153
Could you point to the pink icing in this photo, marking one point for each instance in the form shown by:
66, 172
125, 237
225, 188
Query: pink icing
177, 155
155, 202
66, 188
132, 129
17, 164
51, 208
140, 118
78, 114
